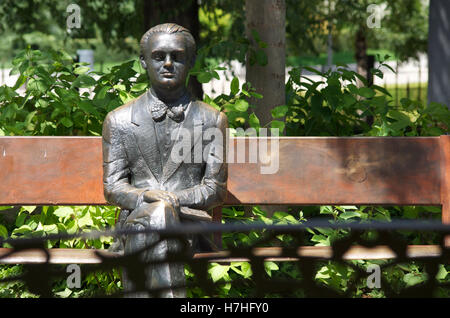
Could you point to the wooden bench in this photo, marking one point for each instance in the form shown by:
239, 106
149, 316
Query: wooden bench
312, 171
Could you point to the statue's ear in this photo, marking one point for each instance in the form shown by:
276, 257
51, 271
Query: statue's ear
144, 65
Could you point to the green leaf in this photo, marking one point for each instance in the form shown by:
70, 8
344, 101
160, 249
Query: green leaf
438, 111
36, 86
366, 92
67, 122
3, 231
218, 271
353, 89
434, 209
321, 240
389, 67
234, 86
241, 105
348, 100
65, 293
381, 89
442, 273
83, 81
349, 207
72, 227
399, 116
269, 267
279, 111
215, 75
20, 220
246, 269
254, 121
120, 87
28, 120
50, 229
349, 214
276, 124
204, 77
244, 90
24, 229
410, 212
323, 273
20, 81
81, 70
234, 267
125, 97
139, 87
41, 103
256, 95
316, 103
326, 209
33, 221
412, 279
88, 107
64, 212
29, 208
85, 219
285, 218
102, 92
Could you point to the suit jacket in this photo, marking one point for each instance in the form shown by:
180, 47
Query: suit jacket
132, 162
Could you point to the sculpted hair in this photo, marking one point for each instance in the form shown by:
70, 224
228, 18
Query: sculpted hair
170, 28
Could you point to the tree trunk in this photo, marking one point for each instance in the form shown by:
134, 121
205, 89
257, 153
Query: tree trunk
364, 63
330, 48
361, 53
439, 52
184, 13
268, 19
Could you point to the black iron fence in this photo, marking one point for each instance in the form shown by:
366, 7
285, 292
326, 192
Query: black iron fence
306, 259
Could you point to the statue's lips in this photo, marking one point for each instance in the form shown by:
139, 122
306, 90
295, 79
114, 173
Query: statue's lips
168, 75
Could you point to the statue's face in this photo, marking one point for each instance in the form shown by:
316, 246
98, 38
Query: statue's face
166, 60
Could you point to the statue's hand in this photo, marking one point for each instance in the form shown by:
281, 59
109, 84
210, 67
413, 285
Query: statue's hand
160, 195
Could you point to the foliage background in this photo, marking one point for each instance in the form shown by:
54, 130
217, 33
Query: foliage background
63, 99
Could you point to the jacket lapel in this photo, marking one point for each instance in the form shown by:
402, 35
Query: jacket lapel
192, 123
144, 133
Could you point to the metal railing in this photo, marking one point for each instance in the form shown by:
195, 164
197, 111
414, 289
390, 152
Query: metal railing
38, 277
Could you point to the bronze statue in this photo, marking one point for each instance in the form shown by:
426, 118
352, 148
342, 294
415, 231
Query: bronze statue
145, 173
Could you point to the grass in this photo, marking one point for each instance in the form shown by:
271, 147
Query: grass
410, 91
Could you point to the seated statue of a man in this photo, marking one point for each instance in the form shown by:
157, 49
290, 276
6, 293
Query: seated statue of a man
158, 165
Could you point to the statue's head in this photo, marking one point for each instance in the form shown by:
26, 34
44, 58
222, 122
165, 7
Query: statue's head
167, 54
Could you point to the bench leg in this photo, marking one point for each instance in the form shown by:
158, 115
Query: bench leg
445, 181
446, 220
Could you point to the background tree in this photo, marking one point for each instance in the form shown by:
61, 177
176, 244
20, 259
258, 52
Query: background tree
439, 52
403, 27
265, 25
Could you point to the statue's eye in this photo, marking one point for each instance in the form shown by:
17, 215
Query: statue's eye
159, 56
177, 56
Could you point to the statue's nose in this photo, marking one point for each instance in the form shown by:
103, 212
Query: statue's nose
168, 61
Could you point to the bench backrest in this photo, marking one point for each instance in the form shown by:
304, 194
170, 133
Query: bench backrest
311, 171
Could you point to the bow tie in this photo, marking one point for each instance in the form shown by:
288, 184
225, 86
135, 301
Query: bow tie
174, 110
